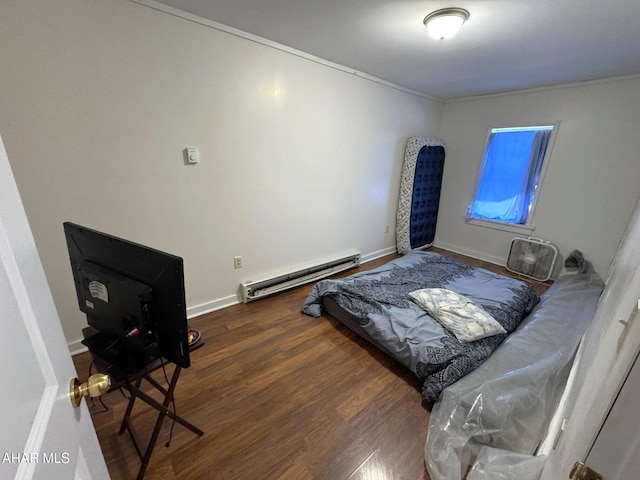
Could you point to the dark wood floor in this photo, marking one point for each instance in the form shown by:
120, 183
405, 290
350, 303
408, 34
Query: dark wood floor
280, 395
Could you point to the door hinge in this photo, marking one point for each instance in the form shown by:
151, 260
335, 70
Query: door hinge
581, 472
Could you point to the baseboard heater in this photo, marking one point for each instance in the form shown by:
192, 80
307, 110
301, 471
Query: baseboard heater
253, 290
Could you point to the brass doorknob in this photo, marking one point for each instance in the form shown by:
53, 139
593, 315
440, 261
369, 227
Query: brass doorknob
95, 386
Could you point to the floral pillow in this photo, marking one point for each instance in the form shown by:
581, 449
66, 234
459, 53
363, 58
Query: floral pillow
466, 320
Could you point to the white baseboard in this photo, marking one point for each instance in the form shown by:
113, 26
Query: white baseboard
375, 255
76, 347
471, 253
212, 306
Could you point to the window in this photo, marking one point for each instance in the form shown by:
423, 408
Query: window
511, 174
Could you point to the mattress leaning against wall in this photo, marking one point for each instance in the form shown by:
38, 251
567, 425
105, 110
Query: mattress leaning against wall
499, 414
419, 199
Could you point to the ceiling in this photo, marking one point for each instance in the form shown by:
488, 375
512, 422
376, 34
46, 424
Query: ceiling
505, 45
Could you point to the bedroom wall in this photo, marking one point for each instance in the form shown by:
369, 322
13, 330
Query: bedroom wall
299, 161
591, 184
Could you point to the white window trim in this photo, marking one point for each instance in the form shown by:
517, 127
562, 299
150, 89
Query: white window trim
527, 228
504, 226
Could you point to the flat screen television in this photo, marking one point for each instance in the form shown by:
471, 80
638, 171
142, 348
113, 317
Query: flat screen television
133, 297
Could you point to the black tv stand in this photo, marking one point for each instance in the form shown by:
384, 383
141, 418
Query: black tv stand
132, 382
133, 385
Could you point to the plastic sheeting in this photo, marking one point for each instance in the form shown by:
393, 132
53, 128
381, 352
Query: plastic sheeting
503, 465
507, 403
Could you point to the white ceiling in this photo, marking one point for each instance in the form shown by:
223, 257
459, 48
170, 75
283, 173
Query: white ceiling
505, 45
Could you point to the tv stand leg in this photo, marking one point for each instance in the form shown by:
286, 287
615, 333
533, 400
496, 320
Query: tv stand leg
127, 413
163, 410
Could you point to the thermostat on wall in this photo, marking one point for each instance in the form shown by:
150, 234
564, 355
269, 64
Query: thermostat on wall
191, 154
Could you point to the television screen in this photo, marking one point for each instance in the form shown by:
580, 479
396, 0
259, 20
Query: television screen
133, 296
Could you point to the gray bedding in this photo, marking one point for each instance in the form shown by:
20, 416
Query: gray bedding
378, 300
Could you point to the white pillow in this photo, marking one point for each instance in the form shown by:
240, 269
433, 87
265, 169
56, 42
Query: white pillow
466, 320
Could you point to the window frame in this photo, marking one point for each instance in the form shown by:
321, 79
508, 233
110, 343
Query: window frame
518, 228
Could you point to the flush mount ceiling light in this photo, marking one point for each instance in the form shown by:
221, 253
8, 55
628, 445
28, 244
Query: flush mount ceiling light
445, 23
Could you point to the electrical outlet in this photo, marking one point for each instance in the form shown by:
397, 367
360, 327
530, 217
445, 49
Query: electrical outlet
386, 230
237, 262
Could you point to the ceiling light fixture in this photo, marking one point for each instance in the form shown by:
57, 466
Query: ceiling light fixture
446, 22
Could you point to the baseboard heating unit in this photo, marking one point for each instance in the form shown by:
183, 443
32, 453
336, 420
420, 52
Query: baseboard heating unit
253, 290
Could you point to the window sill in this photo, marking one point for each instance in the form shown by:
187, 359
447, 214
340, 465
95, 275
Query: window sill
505, 227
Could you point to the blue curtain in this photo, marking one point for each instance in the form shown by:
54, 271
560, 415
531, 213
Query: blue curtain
510, 174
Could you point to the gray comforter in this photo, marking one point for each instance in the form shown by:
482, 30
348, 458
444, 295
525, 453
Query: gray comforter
379, 302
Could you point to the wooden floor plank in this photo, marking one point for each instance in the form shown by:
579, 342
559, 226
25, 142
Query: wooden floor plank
279, 395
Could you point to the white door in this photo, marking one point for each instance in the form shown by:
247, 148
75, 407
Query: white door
606, 355
616, 452
41, 434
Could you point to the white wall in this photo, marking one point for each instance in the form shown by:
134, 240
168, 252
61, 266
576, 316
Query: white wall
298, 161
593, 177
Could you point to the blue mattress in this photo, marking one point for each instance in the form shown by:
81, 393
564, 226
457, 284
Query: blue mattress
419, 199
